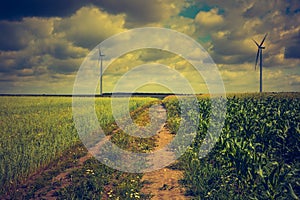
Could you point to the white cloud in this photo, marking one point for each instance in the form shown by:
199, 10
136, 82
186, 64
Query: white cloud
89, 26
209, 19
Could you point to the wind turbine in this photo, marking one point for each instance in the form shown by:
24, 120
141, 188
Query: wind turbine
100, 62
259, 54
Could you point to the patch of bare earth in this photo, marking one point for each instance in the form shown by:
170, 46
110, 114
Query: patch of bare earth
163, 183
63, 178
59, 181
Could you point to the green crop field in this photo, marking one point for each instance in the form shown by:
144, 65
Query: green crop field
257, 155
34, 131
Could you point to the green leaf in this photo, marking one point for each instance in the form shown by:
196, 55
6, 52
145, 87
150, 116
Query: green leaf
292, 193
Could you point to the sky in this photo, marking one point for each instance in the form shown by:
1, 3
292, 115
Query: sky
43, 43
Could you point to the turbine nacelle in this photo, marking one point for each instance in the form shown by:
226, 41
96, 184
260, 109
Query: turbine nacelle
100, 53
262, 42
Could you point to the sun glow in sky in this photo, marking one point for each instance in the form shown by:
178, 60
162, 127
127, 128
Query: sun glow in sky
43, 43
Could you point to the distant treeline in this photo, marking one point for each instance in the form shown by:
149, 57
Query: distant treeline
118, 94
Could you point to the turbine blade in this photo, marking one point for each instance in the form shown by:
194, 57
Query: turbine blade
263, 40
255, 43
257, 55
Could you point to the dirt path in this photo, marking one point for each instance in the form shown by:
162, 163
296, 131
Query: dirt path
163, 183
63, 179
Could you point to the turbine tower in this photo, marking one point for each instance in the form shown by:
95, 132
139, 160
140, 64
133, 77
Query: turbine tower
100, 62
259, 54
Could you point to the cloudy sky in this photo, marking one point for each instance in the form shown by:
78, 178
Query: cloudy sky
43, 43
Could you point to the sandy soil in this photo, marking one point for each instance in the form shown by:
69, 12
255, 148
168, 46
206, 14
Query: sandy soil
163, 183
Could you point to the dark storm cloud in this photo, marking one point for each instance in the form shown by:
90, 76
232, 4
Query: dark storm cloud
16, 9
293, 50
260, 8
12, 37
60, 49
64, 66
16, 35
139, 12
7, 62
221, 59
136, 9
